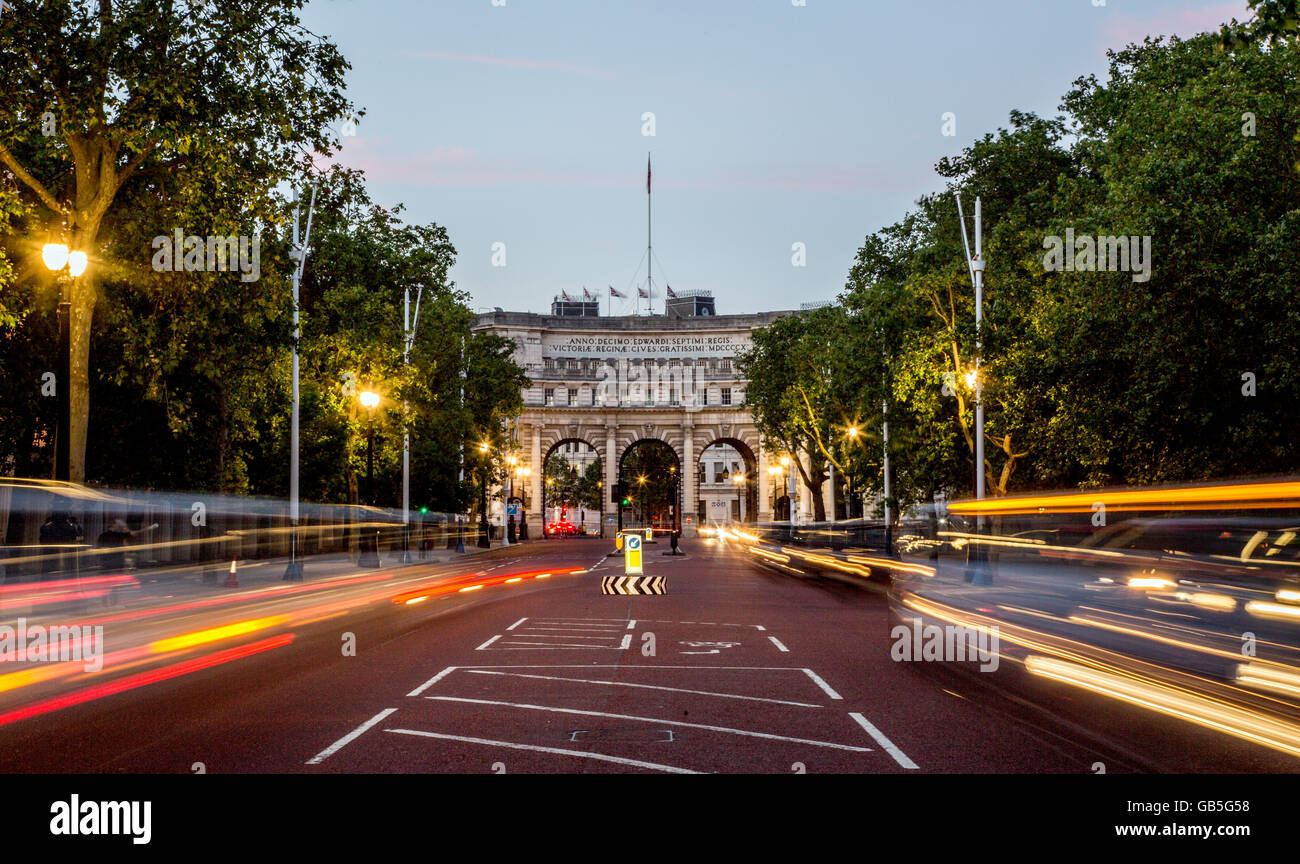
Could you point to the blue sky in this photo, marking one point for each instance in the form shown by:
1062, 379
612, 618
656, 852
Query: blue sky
522, 124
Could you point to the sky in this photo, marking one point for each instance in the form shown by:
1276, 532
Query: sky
522, 123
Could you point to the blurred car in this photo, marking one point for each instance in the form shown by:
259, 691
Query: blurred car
563, 528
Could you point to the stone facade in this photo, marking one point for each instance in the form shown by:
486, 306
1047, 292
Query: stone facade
614, 381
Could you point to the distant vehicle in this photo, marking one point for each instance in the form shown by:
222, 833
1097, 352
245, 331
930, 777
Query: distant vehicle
563, 528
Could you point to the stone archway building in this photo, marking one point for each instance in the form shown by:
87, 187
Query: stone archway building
613, 381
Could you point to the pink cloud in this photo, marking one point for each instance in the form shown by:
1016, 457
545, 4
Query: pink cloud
515, 62
1122, 29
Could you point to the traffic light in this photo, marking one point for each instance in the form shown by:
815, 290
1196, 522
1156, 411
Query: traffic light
619, 493
424, 510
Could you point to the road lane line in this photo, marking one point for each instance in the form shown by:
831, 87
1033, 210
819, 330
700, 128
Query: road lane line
822, 684
647, 687
635, 763
517, 623
884, 742
745, 732
777, 643
760, 627
557, 635
348, 738
434, 680
627, 642
566, 645
631, 625
487, 643
585, 628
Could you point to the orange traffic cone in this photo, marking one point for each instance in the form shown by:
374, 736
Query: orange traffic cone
232, 580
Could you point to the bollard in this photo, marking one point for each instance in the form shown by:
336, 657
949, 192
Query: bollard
232, 580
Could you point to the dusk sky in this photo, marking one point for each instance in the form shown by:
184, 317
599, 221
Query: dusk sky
775, 124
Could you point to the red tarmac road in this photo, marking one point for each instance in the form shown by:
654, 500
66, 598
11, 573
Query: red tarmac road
733, 670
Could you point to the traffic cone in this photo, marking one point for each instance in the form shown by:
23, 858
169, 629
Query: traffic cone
232, 580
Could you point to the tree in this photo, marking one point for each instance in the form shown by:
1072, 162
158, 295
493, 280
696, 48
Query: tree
159, 97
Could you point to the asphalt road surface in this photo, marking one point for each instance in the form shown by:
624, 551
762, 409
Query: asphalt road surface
732, 670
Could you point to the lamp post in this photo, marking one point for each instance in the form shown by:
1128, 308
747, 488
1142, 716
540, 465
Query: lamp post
509, 491
523, 472
785, 468
483, 538
370, 548
57, 258
298, 253
739, 480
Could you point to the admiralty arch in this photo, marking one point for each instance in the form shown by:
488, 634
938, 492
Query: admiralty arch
613, 382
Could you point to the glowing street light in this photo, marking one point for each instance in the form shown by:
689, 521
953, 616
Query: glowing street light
55, 256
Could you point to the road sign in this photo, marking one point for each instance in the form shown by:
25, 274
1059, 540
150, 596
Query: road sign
633, 559
618, 541
513, 509
633, 585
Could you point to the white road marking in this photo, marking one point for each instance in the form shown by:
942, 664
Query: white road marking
746, 732
619, 620
822, 684
760, 627
434, 680
884, 742
557, 635
631, 625
647, 687
487, 643
348, 738
517, 623
566, 645
627, 642
635, 763
777, 643
583, 629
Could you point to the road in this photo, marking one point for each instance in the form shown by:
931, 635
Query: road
510, 662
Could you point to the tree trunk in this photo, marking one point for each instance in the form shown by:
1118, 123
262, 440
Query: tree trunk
83, 309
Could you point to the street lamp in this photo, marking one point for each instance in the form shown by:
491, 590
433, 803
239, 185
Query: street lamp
370, 548
785, 467
739, 480
57, 257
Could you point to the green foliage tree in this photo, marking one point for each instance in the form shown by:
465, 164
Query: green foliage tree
148, 98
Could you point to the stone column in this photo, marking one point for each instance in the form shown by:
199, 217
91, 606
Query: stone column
828, 494
764, 487
610, 459
689, 472
536, 518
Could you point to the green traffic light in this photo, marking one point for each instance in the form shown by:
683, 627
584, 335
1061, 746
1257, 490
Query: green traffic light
424, 509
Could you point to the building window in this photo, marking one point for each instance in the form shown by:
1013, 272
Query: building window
724, 365
598, 395
704, 395
726, 395
672, 395
573, 396
550, 396
718, 468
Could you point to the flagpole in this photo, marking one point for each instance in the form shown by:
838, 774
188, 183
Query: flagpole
649, 246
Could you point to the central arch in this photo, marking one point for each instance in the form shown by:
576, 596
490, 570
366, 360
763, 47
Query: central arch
651, 470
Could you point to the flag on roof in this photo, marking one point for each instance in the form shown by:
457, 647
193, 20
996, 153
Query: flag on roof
647, 174
670, 293
618, 294
641, 292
